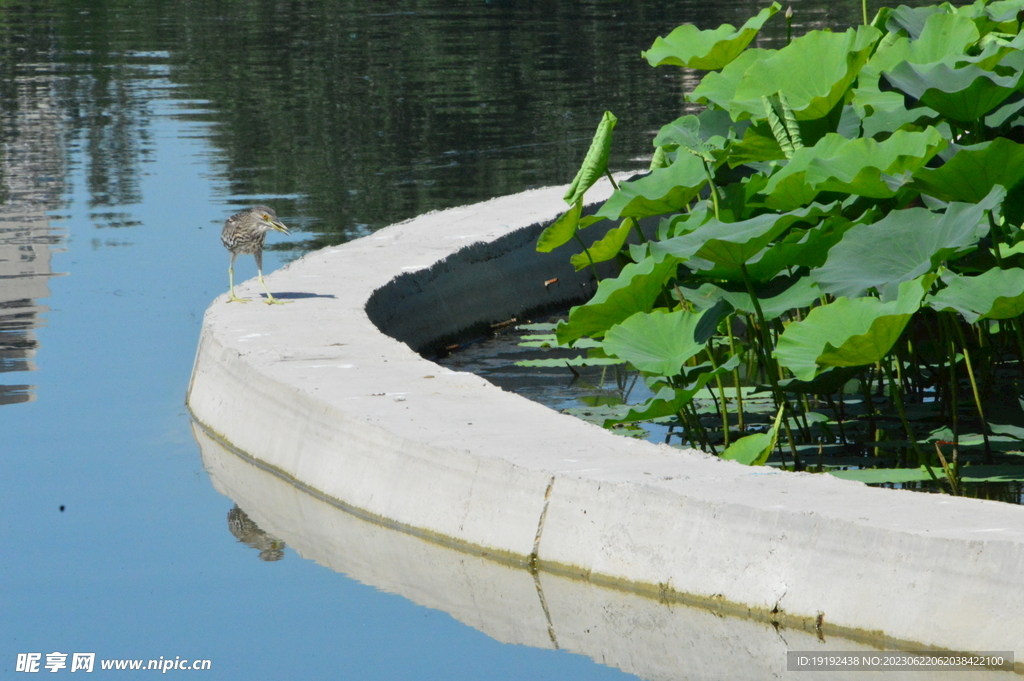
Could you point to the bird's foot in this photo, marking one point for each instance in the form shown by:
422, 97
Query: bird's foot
271, 300
235, 299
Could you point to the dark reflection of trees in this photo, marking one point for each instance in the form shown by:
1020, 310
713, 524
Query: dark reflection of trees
365, 113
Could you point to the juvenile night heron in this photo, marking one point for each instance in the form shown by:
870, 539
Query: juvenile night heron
244, 233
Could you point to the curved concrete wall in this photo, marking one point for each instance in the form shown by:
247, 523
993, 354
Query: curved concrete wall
314, 391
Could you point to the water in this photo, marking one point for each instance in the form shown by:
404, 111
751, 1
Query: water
129, 132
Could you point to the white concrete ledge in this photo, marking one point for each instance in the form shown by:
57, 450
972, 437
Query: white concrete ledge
316, 392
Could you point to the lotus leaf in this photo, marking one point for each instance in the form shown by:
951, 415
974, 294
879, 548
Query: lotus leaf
634, 290
875, 476
972, 172
814, 71
754, 450
607, 247
963, 94
903, 245
664, 190
854, 166
595, 164
561, 231
719, 88
911, 19
655, 342
758, 144
799, 248
996, 294
700, 135
734, 243
693, 48
943, 34
801, 294
848, 332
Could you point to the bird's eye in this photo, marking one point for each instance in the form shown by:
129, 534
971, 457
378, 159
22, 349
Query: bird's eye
266, 217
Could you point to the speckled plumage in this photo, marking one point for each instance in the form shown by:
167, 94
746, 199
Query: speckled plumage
245, 233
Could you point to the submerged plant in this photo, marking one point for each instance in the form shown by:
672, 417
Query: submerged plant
837, 223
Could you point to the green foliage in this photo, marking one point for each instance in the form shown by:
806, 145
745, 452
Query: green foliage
706, 50
844, 211
753, 450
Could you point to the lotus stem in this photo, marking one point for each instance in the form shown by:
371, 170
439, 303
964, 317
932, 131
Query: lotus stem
897, 396
593, 267
974, 389
611, 179
736, 372
952, 475
723, 405
770, 366
711, 185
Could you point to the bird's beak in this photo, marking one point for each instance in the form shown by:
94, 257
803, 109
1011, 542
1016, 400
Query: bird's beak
279, 226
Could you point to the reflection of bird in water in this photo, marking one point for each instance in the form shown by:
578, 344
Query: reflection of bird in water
244, 233
251, 535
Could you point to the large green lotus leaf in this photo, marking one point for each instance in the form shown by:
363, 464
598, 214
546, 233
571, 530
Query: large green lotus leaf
634, 290
850, 166
848, 332
719, 88
693, 48
605, 248
943, 34
814, 71
799, 248
963, 94
754, 450
903, 245
655, 342
665, 190
973, 171
892, 49
996, 294
595, 164
734, 243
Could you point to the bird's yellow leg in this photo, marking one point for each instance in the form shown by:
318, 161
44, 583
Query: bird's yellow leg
231, 282
271, 300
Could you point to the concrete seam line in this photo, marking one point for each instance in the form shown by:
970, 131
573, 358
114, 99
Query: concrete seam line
540, 525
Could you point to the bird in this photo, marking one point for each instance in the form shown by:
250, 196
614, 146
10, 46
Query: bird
245, 232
